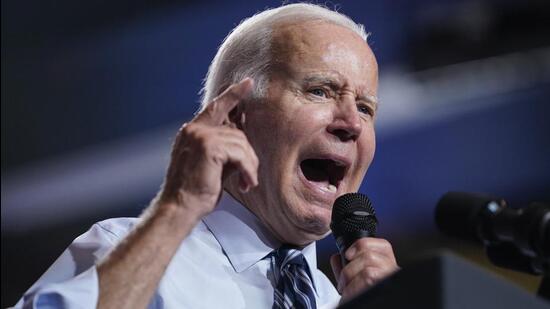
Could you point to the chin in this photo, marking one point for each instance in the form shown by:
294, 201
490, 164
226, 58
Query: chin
315, 226
303, 238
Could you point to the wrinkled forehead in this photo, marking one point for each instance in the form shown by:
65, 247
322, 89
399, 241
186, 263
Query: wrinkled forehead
319, 45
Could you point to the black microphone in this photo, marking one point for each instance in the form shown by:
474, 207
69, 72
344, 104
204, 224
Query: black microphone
353, 217
507, 233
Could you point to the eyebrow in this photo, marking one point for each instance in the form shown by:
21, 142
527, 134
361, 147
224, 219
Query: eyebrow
335, 83
317, 79
371, 99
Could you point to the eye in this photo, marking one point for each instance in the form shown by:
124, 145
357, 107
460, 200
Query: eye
365, 109
318, 92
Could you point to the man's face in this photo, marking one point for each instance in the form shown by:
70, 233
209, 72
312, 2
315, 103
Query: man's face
314, 134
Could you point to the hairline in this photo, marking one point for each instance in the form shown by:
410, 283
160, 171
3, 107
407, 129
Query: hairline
265, 23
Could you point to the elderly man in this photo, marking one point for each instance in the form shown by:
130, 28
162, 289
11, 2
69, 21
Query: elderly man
286, 126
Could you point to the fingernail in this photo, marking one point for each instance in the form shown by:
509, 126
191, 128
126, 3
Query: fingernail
248, 81
244, 81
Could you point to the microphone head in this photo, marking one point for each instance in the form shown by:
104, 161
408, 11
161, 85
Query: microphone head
460, 214
353, 214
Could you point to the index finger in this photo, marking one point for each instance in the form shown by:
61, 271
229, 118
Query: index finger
380, 245
218, 110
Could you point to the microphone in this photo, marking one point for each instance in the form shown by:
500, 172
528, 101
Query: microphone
507, 233
353, 217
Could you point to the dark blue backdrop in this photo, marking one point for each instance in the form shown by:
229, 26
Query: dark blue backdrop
80, 74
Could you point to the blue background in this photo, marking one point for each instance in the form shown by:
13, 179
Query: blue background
85, 83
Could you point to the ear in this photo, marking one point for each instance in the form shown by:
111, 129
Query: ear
235, 118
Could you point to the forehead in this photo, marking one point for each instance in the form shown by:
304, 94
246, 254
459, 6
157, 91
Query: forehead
317, 46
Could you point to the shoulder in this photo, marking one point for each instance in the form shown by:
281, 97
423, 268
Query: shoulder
116, 228
103, 235
99, 239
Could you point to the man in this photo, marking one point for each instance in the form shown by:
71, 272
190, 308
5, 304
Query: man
286, 126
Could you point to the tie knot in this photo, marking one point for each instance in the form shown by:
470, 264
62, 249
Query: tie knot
287, 255
293, 284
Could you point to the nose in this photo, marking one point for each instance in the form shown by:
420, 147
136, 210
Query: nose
346, 124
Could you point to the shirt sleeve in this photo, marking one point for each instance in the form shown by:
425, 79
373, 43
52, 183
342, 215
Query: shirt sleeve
72, 281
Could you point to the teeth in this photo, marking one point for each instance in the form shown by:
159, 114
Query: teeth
331, 188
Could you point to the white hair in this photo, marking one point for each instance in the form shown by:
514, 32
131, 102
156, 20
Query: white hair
246, 51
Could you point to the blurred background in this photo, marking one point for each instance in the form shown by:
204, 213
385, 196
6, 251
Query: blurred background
94, 91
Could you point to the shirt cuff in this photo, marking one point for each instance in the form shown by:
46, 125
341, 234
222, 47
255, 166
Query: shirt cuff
81, 291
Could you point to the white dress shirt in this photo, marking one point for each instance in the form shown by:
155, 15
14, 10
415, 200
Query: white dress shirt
223, 263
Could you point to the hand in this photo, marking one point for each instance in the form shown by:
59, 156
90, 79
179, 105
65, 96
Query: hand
205, 151
370, 260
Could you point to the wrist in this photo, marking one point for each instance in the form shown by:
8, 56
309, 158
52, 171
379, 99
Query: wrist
169, 221
187, 207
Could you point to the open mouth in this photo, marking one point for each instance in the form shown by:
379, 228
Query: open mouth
326, 173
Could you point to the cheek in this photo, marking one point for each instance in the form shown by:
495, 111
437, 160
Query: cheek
372, 143
366, 148
297, 127
272, 138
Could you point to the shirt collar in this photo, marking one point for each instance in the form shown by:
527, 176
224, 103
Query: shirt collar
243, 238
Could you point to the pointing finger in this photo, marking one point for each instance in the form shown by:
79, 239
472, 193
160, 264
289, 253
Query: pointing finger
218, 110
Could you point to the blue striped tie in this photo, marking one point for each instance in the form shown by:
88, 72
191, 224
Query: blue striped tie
293, 280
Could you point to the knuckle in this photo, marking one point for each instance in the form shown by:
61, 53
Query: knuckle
369, 282
186, 128
369, 277
190, 131
373, 273
217, 157
242, 136
365, 273
362, 243
370, 256
214, 153
239, 133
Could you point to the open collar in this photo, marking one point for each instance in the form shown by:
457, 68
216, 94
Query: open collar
243, 237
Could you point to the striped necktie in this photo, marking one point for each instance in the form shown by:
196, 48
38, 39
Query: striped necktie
294, 288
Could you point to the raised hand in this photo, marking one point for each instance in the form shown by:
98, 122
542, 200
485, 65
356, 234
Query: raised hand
205, 150
208, 149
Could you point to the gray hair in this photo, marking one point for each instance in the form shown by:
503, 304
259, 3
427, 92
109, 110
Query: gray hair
246, 51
